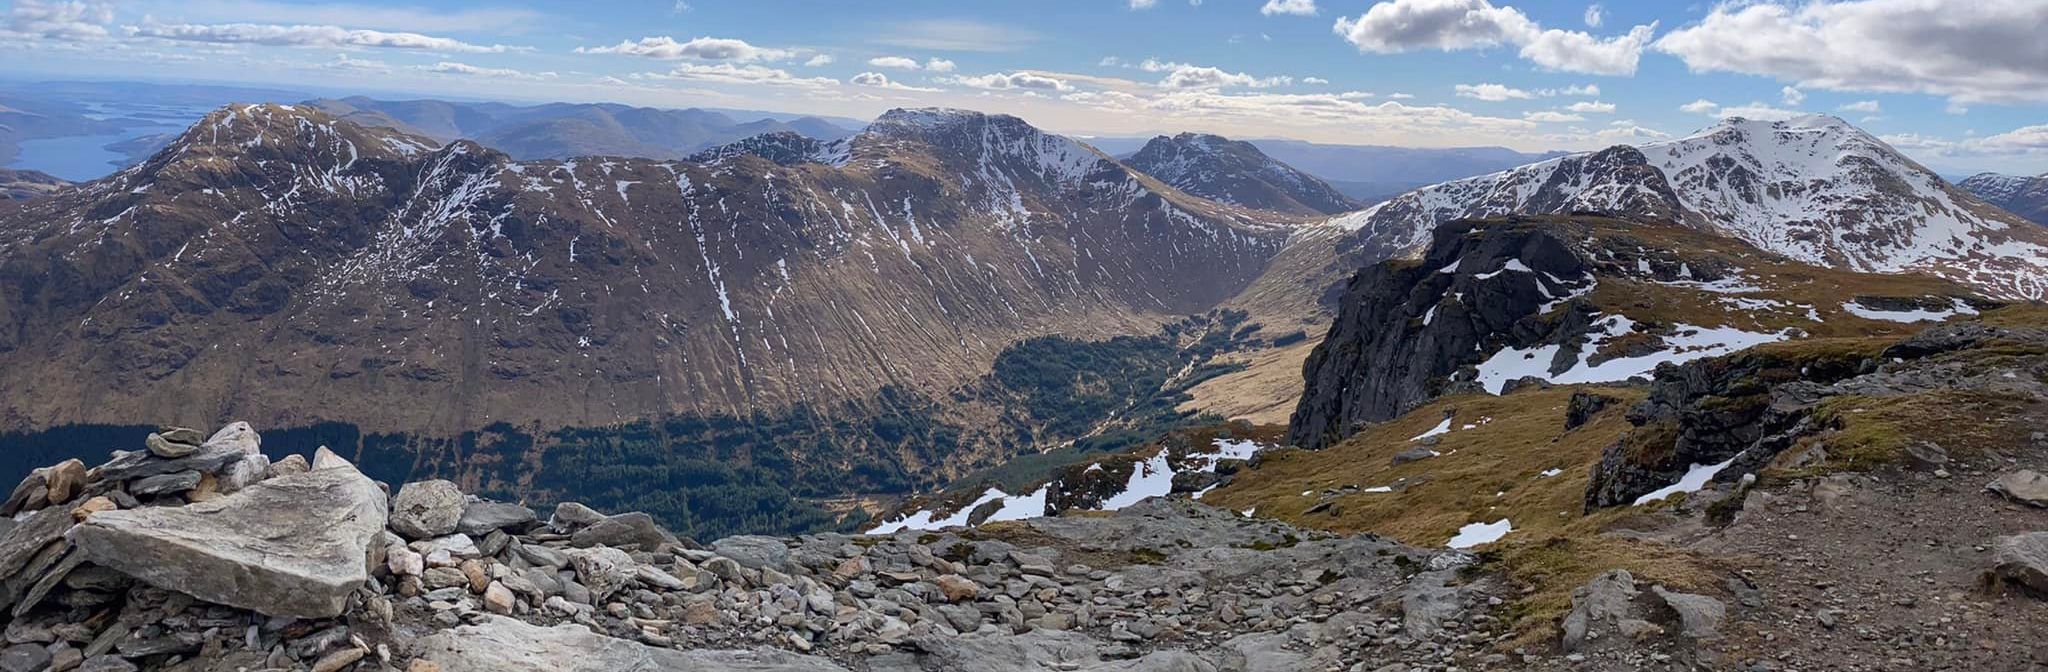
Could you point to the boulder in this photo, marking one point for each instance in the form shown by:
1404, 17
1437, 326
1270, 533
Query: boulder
426, 509
501, 644
753, 551
237, 436
142, 464
1699, 616
2023, 486
2022, 560
166, 448
1606, 601
184, 435
572, 515
288, 546
65, 480
625, 530
603, 570
164, 484
481, 517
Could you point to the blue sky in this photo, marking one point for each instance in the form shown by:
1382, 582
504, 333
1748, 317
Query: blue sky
1961, 86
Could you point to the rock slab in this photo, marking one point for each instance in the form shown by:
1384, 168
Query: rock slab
288, 546
508, 645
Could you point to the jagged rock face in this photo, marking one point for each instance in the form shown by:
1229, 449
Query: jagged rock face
1403, 328
782, 148
1814, 189
1237, 173
278, 264
2021, 195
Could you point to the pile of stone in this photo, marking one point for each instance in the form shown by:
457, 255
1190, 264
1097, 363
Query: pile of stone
202, 555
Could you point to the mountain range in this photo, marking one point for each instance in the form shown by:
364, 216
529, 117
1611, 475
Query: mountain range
1815, 188
963, 286
566, 130
2019, 194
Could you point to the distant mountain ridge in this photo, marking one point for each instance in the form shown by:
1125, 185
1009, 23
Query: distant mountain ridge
1237, 173
565, 130
2022, 195
1815, 189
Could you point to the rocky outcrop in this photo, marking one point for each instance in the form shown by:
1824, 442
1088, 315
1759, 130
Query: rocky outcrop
1746, 408
2021, 195
1404, 328
288, 546
1610, 612
2021, 561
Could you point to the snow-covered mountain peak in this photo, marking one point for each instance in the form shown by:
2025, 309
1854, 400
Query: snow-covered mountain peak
1235, 172
1814, 188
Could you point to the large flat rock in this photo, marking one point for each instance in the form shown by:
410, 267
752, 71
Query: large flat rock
288, 546
510, 645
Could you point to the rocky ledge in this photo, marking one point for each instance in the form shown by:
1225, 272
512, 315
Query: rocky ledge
199, 554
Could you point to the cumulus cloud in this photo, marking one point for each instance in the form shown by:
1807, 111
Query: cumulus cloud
881, 81
1701, 106
1792, 96
1451, 25
1549, 116
1492, 92
1591, 107
1143, 4
1000, 81
308, 36
1293, 7
1977, 51
895, 62
1595, 15
701, 49
1864, 106
1316, 81
939, 65
1758, 110
820, 60
1186, 76
453, 68
69, 21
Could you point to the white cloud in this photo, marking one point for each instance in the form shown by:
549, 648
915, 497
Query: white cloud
1293, 7
2022, 149
1451, 25
1591, 107
1316, 81
1548, 116
400, 17
1185, 76
69, 21
1864, 106
1793, 96
307, 36
453, 68
1580, 90
1595, 15
729, 73
701, 49
881, 81
1400, 96
1758, 110
1143, 4
1701, 106
1976, 51
999, 81
1492, 92
820, 60
939, 65
896, 62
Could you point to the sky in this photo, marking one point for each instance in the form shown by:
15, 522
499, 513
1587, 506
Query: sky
1959, 85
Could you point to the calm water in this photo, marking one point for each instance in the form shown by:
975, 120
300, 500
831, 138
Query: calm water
77, 157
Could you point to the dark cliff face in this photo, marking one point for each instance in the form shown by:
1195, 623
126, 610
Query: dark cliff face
1405, 328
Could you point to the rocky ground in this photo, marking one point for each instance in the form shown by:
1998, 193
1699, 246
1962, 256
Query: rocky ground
201, 555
